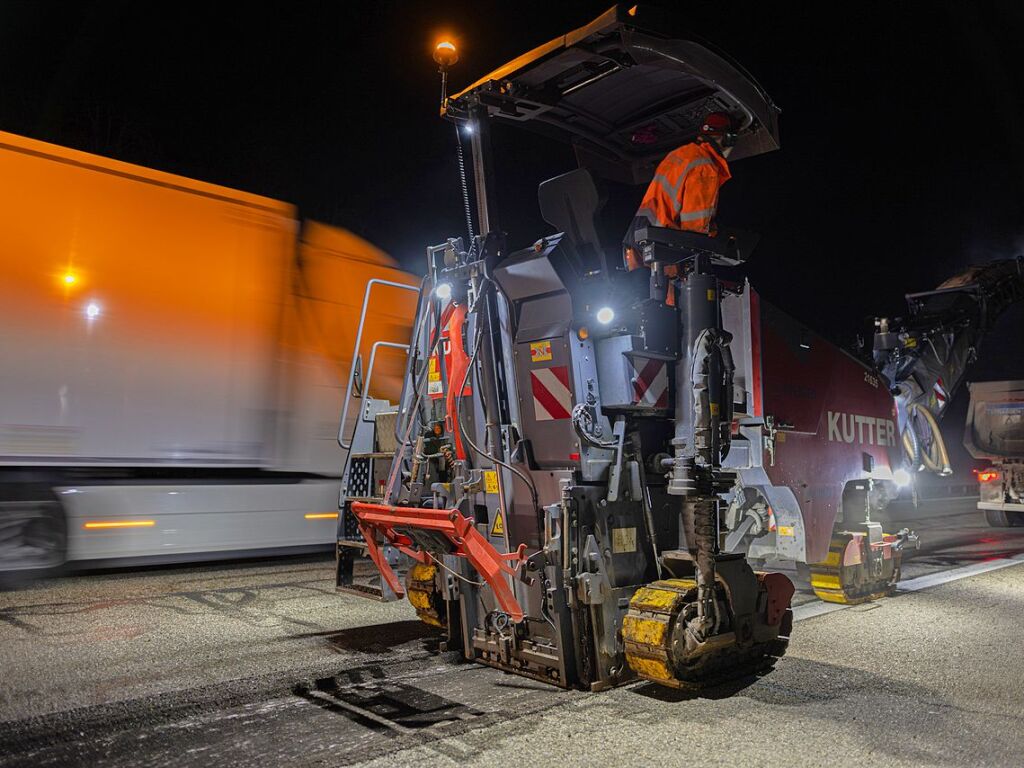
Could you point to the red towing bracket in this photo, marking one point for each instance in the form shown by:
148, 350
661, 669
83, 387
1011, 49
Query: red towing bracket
466, 540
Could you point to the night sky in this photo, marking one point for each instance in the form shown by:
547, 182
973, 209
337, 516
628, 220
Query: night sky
902, 124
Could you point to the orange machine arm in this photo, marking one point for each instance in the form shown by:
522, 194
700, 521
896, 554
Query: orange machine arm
460, 530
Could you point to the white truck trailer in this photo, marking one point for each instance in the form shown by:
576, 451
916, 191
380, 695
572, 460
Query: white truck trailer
171, 356
995, 433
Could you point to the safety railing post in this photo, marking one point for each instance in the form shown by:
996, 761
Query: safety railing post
355, 350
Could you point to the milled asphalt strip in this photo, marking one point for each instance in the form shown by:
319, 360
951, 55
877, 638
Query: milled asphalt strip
819, 608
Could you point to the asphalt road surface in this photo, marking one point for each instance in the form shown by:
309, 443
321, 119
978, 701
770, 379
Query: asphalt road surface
263, 664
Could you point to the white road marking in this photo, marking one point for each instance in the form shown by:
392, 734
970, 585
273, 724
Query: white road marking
820, 608
815, 608
933, 579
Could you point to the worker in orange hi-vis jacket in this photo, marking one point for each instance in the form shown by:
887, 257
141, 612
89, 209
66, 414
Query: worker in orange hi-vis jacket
684, 191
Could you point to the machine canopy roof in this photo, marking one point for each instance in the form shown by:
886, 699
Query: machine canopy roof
624, 92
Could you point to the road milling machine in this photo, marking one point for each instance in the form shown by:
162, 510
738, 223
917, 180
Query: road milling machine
584, 462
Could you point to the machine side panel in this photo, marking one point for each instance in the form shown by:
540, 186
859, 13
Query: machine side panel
544, 380
836, 422
736, 320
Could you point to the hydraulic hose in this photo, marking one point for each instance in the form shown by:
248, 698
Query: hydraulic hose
936, 458
709, 446
583, 424
911, 446
471, 364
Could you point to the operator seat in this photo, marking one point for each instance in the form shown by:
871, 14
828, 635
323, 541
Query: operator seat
570, 203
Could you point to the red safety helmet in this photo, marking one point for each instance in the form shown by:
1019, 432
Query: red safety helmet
717, 124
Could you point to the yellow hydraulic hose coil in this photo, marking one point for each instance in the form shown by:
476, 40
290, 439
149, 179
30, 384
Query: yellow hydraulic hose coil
936, 458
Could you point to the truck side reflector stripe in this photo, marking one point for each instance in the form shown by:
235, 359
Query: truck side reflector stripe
120, 524
321, 516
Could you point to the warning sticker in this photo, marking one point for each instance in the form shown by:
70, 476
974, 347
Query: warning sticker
650, 384
435, 387
490, 481
434, 377
552, 399
623, 540
540, 351
786, 530
498, 529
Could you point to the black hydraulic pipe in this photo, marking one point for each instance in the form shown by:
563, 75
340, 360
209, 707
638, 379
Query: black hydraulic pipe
483, 170
696, 442
490, 346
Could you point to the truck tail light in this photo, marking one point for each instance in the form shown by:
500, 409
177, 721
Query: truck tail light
988, 475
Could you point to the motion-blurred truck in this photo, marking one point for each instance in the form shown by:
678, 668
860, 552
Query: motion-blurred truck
995, 433
171, 354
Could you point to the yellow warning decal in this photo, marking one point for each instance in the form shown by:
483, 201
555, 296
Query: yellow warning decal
787, 530
623, 540
434, 377
714, 409
711, 294
540, 351
490, 481
498, 529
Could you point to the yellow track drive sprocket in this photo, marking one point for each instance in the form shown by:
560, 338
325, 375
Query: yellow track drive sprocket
647, 628
421, 589
834, 582
653, 649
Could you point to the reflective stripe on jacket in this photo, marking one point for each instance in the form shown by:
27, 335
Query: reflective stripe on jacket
684, 191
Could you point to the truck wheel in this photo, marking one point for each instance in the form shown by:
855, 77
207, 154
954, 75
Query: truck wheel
997, 518
33, 533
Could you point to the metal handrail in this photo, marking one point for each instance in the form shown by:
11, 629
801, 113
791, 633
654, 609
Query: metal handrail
369, 371
355, 351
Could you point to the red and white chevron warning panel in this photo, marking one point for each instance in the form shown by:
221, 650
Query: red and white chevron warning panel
552, 399
940, 394
650, 385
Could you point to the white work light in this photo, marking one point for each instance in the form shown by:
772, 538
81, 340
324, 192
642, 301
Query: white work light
443, 291
605, 315
901, 477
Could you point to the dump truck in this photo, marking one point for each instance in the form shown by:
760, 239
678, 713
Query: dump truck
591, 472
172, 355
995, 433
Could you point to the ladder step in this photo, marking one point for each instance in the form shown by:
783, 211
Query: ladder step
365, 591
356, 574
353, 544
676, 554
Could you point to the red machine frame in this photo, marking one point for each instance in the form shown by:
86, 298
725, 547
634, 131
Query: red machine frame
460, 531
